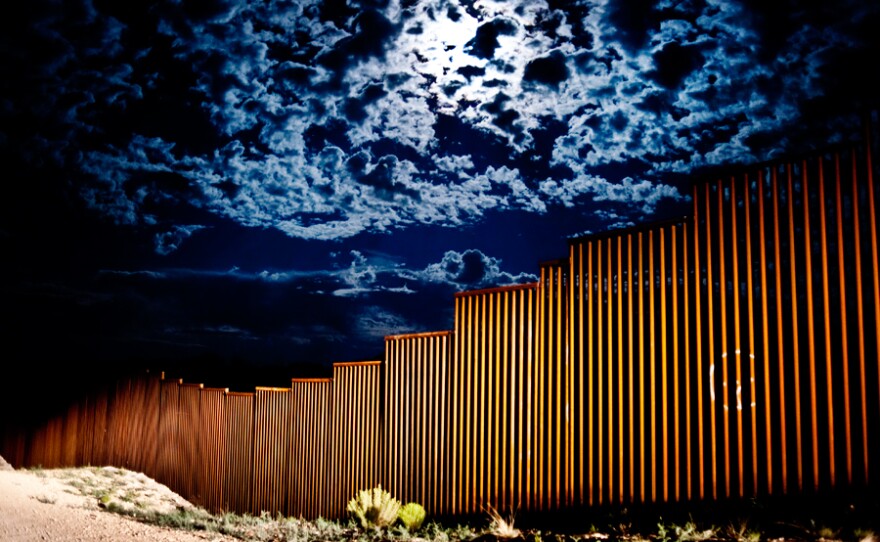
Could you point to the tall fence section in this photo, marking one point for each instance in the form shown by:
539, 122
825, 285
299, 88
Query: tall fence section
730, 353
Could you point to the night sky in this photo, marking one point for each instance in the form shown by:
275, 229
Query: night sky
253, 190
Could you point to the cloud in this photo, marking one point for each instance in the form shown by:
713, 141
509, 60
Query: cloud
169, 241
327, 123
376, 323
470, 269
642, 195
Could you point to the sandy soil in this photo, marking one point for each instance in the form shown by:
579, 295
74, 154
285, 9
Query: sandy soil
67, 505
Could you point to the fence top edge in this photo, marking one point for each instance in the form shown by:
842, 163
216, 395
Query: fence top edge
621, 232
809, 157
311, 380
240, 393
271, 388
356, 363
420, 335
508, 288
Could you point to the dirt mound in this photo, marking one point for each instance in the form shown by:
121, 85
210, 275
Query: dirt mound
4, 465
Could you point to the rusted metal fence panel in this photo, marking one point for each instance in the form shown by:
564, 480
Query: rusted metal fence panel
188, 423
169, 457
149, 444
70, 436
211, 449
553, 474
239, 449
415, 418
496, 421
310, 447
625, 365
726, 355
355, 462
271, 450
119, 422
796, 370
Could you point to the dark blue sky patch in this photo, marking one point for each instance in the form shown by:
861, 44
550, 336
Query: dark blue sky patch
338, 12
576, 14
633, 22
471, 71
674, 62
319, 136
485, 42
372, 31
355, 108
550, 70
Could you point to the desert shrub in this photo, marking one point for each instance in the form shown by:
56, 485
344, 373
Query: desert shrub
412, 515
374, 508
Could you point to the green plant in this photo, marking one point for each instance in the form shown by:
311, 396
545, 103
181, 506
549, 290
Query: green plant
662, 532
374, 508
690, 533
742, 533
412, 515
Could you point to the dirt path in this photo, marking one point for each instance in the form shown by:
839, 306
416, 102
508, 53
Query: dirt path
44, 505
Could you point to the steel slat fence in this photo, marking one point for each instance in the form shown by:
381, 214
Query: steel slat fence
239, 450
731, 353
310, 447
416, 423
271, 450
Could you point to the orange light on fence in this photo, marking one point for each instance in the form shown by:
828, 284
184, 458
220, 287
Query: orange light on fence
765, 327
794, 324
532, 402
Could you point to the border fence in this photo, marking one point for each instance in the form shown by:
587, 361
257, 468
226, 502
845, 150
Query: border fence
730, 353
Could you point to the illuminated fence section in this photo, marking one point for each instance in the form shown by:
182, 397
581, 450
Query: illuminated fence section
495, 424
310, 447
631, 366
239, 461
355, 462
792, 374
724, 355
553, 378
415, 418
271, 449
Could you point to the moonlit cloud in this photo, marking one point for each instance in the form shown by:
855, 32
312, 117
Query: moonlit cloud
325, 126
169, 241
470, 269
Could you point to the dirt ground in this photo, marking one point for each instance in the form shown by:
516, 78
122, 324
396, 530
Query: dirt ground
65, 505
